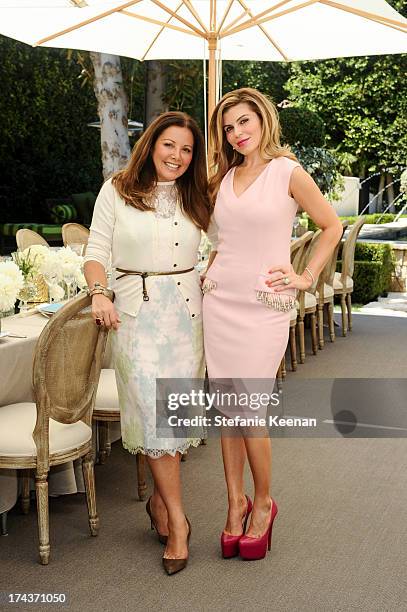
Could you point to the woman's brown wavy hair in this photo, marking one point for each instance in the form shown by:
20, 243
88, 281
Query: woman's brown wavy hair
221, 155
138, 179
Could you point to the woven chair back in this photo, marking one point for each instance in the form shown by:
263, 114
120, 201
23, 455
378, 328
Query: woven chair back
309, 251
75, 233
298, 247
331, 265
67, 363
348, 251
26, 238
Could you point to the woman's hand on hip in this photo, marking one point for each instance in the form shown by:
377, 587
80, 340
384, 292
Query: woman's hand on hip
104, 312
284, 277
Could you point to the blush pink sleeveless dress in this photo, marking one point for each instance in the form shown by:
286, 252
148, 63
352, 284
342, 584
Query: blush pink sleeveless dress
245, 335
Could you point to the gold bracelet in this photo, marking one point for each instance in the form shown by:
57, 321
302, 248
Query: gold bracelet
310, 275
97, 285
98, 291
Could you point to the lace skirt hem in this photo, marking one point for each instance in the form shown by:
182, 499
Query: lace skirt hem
156, 453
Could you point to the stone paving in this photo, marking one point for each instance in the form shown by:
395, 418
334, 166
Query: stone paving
395, 304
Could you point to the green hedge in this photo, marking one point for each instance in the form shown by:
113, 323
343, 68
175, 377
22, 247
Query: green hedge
374, 218
374, 264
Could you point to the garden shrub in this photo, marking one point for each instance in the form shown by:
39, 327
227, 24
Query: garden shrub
301, 126
374, 264
323, 166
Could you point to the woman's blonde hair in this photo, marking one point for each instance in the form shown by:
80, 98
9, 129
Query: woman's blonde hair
221, 155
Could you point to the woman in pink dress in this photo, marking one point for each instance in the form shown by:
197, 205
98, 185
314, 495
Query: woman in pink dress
256, 185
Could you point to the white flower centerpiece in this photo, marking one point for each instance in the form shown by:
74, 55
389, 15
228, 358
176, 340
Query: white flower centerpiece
62, 272
11, 283
27, 262
69, 265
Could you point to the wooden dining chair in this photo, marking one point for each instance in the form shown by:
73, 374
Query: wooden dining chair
325, 291
306, 300
26, 238
57, 427
298, 250
107, 411
343, 281
324, 294
75, 233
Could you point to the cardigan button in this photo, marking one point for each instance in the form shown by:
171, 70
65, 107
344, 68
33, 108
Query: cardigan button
176, 244
175, 222
175, 265
178, 283
187, 300
193, 315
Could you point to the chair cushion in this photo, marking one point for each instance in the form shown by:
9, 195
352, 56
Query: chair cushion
48, 231
338, 283
17, 422
107, 397
310, 300
293, 314
62, 213
328, 291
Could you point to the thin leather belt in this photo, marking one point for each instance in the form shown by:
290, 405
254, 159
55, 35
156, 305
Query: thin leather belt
144, 276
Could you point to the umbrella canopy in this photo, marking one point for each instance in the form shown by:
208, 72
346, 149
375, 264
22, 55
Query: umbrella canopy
272, 30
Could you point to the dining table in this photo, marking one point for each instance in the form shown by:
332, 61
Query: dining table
16, 360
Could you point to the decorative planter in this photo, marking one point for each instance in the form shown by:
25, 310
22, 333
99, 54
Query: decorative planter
41, 290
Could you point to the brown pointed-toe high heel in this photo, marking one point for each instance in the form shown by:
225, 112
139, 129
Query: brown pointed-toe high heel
162, 538
172, 566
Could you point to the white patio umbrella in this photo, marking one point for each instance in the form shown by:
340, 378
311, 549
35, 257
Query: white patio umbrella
273, 30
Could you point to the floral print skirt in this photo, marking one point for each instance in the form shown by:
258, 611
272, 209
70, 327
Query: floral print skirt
162, 341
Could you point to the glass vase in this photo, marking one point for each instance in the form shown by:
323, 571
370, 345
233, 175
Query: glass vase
27, 293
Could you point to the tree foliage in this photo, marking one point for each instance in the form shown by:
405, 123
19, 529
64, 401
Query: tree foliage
300, 126
46, 148
185, 82
363, 103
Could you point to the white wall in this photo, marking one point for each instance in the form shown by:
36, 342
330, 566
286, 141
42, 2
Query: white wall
349, 202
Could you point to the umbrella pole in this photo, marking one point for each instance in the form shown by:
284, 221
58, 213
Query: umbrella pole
212, 46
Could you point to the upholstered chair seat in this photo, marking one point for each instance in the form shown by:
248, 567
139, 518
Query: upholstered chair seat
17, 422
338, 282
57, 427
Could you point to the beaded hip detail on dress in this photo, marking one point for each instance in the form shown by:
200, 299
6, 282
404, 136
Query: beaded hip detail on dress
277, 301
208, 285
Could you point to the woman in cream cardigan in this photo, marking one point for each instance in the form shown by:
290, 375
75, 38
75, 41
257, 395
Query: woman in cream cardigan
149, 218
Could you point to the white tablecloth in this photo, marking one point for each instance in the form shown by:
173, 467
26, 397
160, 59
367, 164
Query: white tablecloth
16, 357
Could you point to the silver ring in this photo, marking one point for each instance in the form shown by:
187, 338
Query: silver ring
286, 280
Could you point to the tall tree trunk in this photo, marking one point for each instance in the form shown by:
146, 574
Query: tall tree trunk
364, 191
390, 192
380, 192
112, 108
155, 89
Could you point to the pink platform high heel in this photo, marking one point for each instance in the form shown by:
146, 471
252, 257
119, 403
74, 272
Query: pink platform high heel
230, 543
256, 548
